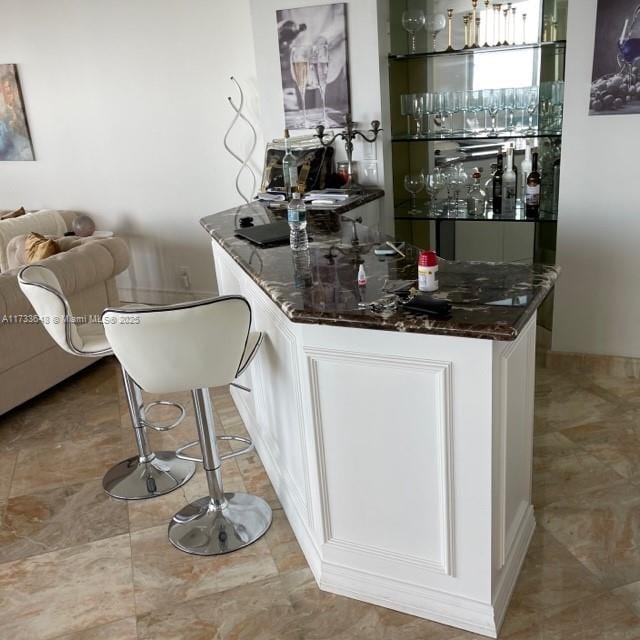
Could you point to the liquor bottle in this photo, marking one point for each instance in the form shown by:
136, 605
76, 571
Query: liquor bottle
297, 217
289, 167
556, 185
525, 170
497, 187
509, 186
532, 203
476, 198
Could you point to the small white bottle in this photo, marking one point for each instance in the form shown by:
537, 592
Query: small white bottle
428, 272
362, 277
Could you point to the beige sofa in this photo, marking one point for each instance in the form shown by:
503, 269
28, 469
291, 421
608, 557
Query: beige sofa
30, 362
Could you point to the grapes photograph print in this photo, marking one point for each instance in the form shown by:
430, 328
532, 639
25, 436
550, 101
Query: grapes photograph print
615, 86
314, 65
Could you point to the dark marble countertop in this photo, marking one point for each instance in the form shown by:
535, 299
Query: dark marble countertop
490, 301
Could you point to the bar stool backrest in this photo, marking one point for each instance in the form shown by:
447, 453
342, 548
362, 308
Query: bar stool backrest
42, 288
181, 347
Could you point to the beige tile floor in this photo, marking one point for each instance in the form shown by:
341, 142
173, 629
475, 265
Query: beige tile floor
76, 565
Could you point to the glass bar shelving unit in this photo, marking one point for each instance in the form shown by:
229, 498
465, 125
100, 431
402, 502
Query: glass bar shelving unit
535, 56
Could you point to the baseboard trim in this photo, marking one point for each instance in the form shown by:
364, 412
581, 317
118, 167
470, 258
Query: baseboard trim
513, 565
615, 366
443, 608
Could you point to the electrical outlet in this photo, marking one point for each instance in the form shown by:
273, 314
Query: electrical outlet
185, 277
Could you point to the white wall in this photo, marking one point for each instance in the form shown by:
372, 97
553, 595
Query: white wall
598, 298
127, 104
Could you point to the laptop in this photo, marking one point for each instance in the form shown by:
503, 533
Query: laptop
266, 235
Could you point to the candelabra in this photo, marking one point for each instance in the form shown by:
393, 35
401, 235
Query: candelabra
349, 134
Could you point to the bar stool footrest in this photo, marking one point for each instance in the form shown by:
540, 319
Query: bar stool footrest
181, 456
164, 426
240, 452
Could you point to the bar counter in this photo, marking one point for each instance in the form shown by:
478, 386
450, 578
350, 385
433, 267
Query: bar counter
490, 301
400, 447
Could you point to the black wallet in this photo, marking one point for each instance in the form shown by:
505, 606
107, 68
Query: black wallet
427, 305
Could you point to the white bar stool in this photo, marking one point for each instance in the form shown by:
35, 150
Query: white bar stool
195, 346
149, 474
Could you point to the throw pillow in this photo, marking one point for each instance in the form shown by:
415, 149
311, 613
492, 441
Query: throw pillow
13, 214
37, 247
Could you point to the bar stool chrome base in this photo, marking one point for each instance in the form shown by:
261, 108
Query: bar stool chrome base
204, 529
132, 479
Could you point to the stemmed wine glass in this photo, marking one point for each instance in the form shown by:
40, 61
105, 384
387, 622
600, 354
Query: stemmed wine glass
493, 101
463, 99
510, 106
300, 60
532, 106
418, 112
475, 104
413, 20
448, 108
320, 66
414, 184
434, 183
406, 105
435, 24
431, 107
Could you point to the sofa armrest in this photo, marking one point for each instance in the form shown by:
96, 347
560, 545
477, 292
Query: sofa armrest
77, 269
89, 263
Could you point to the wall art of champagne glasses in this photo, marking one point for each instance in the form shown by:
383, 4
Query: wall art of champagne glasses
521, 111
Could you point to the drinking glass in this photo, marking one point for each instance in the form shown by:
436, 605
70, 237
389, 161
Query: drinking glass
448, 107
532, 106
406, 107
557, 101
509, 107
300, 60
435, 24
418, 112
494, 103
320, 68
521, 105
460, 183
463, 104
414, 184
431, 107
434, 183
413, 20
475, 104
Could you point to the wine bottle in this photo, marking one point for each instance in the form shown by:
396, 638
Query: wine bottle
497, 187
532, 203
525, 170
509, 186
289, 167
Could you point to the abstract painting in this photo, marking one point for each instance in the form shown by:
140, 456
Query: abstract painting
615, 86
15, 139
314, 65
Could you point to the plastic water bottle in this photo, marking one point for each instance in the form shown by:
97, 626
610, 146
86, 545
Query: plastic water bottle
297, 216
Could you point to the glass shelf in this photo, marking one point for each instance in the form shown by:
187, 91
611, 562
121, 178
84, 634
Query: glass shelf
402, 213
503, 135
558, 44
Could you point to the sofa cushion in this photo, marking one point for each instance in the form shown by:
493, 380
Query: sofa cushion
13, 214
37, 247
